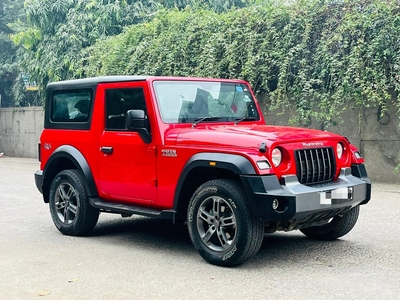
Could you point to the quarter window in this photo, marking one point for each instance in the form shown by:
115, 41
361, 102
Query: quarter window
71, 106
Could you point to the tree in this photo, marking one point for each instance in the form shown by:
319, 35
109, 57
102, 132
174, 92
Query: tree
10, 11
53, 45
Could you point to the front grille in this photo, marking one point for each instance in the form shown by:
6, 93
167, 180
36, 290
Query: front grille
315, 165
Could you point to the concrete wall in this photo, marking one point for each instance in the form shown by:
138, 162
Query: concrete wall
377, 138
20, 130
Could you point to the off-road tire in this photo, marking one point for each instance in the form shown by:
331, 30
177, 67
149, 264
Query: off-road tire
69, 206
220, 213
336, 228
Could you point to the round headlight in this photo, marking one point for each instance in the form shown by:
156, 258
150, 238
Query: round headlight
276, 157
339, 150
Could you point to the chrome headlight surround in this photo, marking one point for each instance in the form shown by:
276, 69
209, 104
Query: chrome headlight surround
339, 150
276, 157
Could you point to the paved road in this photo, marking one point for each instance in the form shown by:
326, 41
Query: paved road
141, 258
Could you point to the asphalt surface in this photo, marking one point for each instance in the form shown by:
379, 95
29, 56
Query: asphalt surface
142, 258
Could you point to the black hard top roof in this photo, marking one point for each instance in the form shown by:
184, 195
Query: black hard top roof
96, 80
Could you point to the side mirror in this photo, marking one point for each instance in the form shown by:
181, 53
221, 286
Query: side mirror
136, 120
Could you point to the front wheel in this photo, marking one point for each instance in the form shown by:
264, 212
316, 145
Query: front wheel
221, 225
336, 228
69, 206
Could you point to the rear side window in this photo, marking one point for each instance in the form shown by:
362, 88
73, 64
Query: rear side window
71, 106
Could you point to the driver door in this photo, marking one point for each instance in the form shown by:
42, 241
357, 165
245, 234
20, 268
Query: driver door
127, 166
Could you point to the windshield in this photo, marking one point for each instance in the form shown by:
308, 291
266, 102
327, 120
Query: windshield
188, 101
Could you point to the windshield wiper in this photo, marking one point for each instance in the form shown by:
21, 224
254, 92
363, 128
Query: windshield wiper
209, 118
246, 119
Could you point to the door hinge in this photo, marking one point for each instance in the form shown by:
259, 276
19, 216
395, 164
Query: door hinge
153, 182
152, 151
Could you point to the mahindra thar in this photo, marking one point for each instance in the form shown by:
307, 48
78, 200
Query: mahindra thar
195, 151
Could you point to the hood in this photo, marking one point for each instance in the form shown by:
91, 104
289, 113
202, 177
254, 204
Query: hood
246, 136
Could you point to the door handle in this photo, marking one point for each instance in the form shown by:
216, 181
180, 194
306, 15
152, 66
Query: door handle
107, 150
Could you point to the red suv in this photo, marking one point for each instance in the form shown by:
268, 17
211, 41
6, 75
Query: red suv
193, 150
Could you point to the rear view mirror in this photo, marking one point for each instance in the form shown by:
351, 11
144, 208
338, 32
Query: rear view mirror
136, 120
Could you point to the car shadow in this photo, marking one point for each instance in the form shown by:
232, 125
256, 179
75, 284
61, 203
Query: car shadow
279, 249
288, 249
149, 233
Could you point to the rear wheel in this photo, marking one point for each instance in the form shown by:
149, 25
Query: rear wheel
221, 224
69, 206
336, 228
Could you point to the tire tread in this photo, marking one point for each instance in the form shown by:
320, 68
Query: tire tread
338, 227
88, 215
255, 226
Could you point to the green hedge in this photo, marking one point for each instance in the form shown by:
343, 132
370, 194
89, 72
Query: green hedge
313, 58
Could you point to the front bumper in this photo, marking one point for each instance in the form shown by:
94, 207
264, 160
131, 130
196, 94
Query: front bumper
291, 200
39, 180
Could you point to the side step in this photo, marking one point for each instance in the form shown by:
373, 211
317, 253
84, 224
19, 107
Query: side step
129, 210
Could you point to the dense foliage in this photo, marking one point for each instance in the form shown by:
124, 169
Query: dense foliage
315, 58
10, 11
52, 46
60, 30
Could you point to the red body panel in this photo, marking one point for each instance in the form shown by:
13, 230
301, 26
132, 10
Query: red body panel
138, 173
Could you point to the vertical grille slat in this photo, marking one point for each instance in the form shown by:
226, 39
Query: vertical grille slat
301, 165
323, 160
316, 165
319, 178
307, 167
330, 165
313, 171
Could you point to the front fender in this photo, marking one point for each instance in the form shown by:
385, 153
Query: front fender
232, 162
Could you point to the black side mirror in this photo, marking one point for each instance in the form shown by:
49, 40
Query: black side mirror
136, 120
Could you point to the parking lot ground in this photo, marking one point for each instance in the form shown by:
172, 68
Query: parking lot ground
142, 258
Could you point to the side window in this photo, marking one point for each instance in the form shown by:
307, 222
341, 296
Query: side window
71, 105
118, 102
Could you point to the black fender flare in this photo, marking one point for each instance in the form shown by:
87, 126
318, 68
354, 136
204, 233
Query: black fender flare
238, 164
80, 162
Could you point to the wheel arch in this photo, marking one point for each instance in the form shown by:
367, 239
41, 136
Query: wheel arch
63, 158
198, 170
